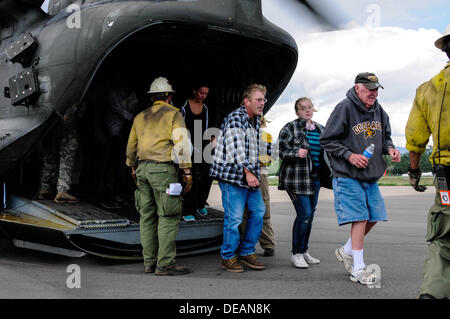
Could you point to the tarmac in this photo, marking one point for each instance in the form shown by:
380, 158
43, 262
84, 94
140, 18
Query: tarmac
398, 246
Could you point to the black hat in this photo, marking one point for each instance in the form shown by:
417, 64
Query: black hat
370, 80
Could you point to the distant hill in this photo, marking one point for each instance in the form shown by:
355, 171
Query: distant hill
402, 150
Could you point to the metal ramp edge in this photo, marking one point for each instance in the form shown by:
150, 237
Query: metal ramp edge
92, 215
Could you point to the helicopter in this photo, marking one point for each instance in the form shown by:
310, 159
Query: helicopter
51, 63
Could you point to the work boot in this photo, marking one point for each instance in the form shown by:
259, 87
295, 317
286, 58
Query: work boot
251, 261
65, 198
44, 194
149, 269
232, 265
173, 269
269, 252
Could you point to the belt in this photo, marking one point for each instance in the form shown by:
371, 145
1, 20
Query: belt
151, 161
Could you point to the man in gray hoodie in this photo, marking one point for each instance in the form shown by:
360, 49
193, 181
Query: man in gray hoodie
356, 123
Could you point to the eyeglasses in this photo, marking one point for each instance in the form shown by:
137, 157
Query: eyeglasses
261, 100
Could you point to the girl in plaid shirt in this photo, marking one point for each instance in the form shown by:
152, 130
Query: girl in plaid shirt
299, 175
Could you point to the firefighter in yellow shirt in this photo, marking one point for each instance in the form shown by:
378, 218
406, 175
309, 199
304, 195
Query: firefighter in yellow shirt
158, 146
429, 116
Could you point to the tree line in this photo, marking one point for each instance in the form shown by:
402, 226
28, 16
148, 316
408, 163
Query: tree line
402, 166
394, 169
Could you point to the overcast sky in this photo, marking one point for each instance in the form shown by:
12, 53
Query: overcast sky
394, 39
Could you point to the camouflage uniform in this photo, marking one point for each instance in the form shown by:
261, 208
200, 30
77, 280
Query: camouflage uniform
67, 147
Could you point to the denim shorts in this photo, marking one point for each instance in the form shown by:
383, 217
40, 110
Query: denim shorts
357, 201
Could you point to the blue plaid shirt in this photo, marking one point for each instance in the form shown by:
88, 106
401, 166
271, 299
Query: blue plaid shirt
237, 148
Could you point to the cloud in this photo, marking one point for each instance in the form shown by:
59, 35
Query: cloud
329, 62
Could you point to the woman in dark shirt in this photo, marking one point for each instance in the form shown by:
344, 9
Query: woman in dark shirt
196, 117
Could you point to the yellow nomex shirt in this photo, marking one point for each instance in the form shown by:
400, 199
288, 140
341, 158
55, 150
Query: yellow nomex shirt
159, 134
425, 117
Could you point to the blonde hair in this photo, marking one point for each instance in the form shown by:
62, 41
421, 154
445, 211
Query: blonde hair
304, 98
264, 122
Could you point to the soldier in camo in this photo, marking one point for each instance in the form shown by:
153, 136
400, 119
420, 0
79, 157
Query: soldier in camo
59, 160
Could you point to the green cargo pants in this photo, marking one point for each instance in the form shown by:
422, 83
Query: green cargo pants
159, 212
436, 270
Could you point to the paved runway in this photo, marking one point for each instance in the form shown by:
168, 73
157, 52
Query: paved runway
397, 246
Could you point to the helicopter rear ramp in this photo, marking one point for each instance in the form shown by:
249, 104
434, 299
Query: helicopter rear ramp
78, 229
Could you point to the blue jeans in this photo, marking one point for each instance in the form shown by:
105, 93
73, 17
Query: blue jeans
305, 206
234, 199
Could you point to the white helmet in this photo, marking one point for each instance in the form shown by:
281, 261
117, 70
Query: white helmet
440, 42
160, 85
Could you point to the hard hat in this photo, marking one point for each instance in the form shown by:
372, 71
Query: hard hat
440, 42
160, 85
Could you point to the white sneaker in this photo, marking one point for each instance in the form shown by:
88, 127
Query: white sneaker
309, 259
299, 261
344, 258
363, 276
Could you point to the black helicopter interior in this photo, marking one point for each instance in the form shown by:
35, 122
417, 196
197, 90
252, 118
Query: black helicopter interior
227, 62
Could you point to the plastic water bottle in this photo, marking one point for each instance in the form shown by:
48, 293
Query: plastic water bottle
368, 152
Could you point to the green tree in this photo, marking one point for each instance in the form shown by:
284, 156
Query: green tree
402, 167
425, 164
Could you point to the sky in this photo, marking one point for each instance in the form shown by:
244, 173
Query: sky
393, 39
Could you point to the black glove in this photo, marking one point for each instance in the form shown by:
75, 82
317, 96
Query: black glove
414, 178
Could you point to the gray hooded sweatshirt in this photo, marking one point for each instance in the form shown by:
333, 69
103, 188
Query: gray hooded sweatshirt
350, 129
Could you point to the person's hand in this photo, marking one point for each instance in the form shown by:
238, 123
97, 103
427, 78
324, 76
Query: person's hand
252, 180
302, 152
187, 181
358, 160
133, 175
395, 155
414, 179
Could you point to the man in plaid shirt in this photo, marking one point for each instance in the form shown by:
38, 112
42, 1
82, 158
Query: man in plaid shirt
236, 166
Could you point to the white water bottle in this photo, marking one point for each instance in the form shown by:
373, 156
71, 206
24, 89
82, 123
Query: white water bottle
368, 152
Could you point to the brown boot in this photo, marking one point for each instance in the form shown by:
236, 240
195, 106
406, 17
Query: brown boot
251, 261
65, 198
232, 265
150, 269
44, 194
269, 252
173, 269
